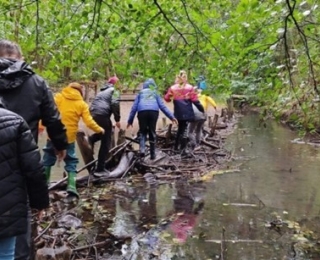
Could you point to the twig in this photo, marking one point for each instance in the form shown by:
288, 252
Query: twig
128, 169
168, 20
89, 246
44, 231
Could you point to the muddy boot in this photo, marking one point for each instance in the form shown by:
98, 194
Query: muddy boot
184, 143
142, 145
47, 172
71, 188
152, 150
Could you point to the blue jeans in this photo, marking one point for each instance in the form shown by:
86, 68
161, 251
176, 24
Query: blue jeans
7, 247
50, 158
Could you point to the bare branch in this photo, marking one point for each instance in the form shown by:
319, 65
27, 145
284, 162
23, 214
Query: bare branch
197, 30
14, 7
90, 25
305, 43
168, 20
146, 27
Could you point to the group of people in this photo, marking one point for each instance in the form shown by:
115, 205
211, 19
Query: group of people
190, 112
26, 100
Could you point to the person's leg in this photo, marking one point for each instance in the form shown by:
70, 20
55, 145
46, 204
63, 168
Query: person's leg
143, 129
95, 137
199, 131
7, 247
104, 145
191, 135
71, 162
152, 124
179, 134
49, 159
184, 135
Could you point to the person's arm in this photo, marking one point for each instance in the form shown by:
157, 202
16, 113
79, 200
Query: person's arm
134, 109
163, 108
51, 119
32, 168
115, 106
211, 101
88, 120
168, 95
198, 105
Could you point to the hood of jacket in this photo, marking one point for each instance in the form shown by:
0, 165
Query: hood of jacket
71, 93
106, 86
13, 73
149, 83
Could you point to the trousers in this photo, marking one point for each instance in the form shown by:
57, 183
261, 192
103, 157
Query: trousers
7, 246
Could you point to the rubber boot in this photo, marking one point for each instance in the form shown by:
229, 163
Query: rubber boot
47, 172
152, 150
142, 145
71, 188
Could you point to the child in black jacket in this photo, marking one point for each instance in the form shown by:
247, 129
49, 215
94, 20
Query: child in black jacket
21, 177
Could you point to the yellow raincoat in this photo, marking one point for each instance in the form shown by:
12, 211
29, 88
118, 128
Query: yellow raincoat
206, 101
72, 107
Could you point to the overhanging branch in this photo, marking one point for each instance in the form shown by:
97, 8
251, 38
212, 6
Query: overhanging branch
168, 20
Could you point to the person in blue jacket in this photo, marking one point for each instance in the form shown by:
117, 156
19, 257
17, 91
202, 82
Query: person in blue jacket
201, 83
147, 103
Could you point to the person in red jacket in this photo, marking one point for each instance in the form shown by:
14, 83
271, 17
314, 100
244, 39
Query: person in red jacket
183, 96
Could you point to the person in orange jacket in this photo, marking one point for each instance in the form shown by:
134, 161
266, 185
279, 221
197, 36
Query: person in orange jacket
72, 108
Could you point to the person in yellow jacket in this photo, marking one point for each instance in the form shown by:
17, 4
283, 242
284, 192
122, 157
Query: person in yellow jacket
195, 126
206, 100
72, 108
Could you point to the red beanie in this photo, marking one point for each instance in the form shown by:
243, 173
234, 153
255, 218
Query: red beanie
113, 80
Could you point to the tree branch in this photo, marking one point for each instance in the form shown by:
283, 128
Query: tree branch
171, 24
305, 43
196, 28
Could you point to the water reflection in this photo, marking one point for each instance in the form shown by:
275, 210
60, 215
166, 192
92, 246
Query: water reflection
187, 205
186, 220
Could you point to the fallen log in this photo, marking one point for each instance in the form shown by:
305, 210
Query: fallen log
211, 145
85, 150
214, 125
122, 166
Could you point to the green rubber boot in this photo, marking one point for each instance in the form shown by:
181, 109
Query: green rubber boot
47, 172
71, 188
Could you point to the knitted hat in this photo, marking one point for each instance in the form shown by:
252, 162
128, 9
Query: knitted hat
113, 80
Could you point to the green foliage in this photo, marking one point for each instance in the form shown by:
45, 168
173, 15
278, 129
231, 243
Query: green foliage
250, 47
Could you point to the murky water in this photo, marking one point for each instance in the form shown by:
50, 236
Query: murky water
276, 178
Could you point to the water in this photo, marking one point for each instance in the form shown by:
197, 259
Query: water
277, 180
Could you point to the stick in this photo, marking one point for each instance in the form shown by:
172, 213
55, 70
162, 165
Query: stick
44, 231
211, 145
89, 246
124, 174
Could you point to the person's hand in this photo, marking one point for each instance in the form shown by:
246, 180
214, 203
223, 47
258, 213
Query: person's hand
41, 214
38, 214
128, 126
61, 155
174, 121
118, 125
102, 131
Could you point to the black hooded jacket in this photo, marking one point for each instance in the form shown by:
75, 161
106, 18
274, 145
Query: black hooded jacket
106, 103
21, 174
25, 93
